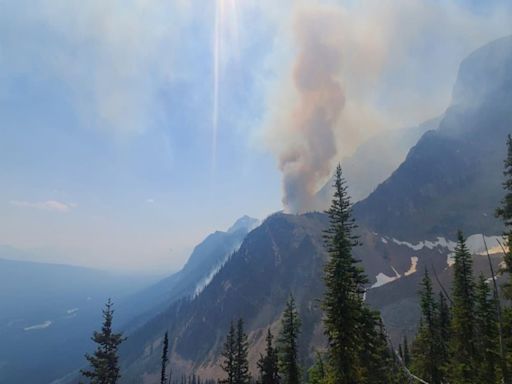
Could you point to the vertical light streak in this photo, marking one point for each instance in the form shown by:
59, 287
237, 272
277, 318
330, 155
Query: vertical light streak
225, 34
216, 78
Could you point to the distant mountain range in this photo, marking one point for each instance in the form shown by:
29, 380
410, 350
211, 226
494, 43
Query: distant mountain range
49, 311
206, 259
450, 179
47, 314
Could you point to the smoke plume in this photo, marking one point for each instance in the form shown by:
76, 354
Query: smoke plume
307, 157
362, 69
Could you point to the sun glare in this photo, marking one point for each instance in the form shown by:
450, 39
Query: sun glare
225, 46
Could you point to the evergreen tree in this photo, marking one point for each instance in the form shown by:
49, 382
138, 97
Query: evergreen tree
487, 341
229, 354
287, 344
425, 362
242, 375
343, 299
463, 367
407, 356
443, 324
163, 375
505, 316
268, 364
317, 373
505, 212
378, 363
105, 362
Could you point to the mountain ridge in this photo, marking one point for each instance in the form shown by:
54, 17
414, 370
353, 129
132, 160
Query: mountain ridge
450, 179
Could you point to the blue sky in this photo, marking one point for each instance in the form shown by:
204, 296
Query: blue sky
106, 155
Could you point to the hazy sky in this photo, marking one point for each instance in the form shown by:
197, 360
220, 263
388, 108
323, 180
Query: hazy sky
130, 129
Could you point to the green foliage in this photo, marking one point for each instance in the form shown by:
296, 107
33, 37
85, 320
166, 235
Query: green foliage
406, 354
235, 364
376, 358
486, 327
505, 209
242, 375
443, 333
268, 363
287, 344
344, 281
104, 361
464, 366
505, 212
229, 353
358, 349
165, 349
317, 373
427, 361
192, 379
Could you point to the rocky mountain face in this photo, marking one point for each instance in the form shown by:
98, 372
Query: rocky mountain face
206, 259
286, 255
375, 160
46, 338
450, 179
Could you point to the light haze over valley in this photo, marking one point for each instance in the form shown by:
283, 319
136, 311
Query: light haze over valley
186, 173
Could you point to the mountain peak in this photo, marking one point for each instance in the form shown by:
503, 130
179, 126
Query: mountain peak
246, 223
484, 72
451, 179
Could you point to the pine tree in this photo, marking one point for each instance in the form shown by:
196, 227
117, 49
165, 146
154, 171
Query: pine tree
463, 367
242, 375
487, 341
442, 323
407, 356
425, 362
287, 344
163, 375
317, 373
268, 364
505, 212
505, 316
105, 362
344, 281
229, 355
376, 358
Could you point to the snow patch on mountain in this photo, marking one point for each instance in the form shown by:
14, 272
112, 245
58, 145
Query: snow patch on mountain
383, 279
475, 244
43, 325
440, 242
414, 264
